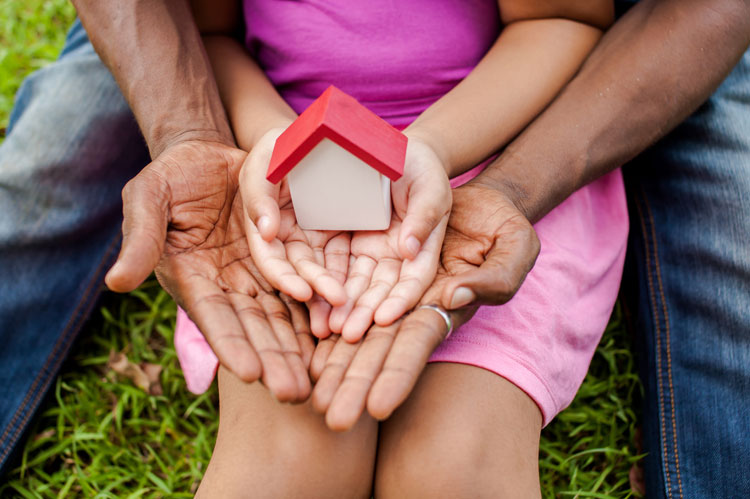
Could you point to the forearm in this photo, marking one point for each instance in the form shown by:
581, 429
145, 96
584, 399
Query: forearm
155, 53
650, 71
520, 75
253, 104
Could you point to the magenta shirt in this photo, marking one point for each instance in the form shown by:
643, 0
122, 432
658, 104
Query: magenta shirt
395, 57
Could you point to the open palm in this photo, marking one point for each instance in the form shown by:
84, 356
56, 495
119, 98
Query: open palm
293, 260
184, 216
390, 270
381, 284
489, 248
301, 261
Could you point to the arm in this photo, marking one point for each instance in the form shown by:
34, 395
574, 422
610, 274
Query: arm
252, 103
250, 99
651, 70
182, 211
539, 50
155, 53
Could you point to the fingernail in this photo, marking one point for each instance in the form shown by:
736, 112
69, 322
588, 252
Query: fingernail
263, 223
461, 297
412, 244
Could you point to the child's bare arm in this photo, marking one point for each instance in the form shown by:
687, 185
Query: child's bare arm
252, 103
543, 44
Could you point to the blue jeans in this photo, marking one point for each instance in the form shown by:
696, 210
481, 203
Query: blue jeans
689, 280
72, 144
59, 231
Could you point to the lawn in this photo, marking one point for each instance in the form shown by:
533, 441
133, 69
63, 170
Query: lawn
98, 434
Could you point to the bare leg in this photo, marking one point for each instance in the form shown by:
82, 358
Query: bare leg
268, 449
463, 432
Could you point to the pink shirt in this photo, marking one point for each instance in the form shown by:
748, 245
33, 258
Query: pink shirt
395, 57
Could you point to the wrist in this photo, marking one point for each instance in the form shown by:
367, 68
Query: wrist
423, 136
160, 143
247, 140
201, 119
535, 185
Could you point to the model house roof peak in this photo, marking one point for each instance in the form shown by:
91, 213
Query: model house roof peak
339, 117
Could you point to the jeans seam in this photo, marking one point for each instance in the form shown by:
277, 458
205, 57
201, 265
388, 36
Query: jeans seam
651, 246
668, 344
63, 342
655, 312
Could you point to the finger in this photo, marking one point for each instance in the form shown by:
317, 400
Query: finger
426, 208
144, 230
302, 258
350, 398
499, 277
416, 276
209, 308
259, 196
418, 335
322, 351
301, 325
336, 256
320, 311
384, 278
356, 284
333, 372
277, 374
278, 316
271, 260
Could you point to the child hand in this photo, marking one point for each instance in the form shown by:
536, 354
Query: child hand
291, 259
391, 269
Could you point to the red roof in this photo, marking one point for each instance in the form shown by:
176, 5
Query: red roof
340, 118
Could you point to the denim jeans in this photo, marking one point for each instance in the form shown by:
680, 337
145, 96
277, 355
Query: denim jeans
689, 280
72, 144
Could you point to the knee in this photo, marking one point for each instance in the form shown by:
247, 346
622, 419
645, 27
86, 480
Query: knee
266, 449
455, 463
441, 466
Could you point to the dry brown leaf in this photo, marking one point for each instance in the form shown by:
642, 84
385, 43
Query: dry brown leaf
144, 376
153, 371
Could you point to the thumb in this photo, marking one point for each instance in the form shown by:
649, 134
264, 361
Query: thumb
145, 213
425, 208
498, 278
259, 196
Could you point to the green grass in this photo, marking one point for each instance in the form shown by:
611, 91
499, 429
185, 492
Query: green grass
97, 435
31, 35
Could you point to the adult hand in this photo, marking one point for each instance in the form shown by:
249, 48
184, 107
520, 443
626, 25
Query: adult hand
183, 217
390, 270
488, 250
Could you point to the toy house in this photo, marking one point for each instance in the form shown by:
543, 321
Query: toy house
340, 159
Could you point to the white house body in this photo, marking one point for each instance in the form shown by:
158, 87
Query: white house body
332, 189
